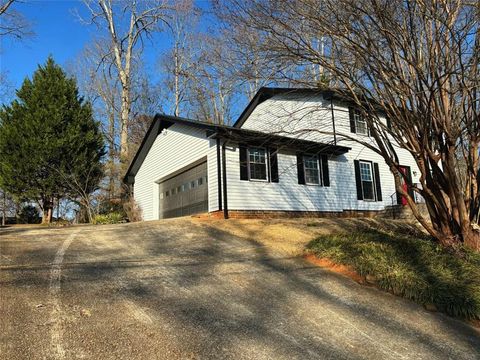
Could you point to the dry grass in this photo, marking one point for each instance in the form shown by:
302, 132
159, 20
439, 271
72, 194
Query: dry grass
291, 236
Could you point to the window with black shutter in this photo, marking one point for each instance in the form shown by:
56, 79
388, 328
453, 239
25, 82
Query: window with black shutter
313, 169
358, 124
258, 164
367, 178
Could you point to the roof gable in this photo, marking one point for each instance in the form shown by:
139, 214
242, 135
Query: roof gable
235, 132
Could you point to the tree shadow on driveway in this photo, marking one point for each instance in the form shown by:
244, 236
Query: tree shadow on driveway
222, 296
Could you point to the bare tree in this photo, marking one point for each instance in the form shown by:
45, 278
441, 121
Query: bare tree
214, 88
179, 63
12, 23
415, 62
81, 188
128, 24
101, 86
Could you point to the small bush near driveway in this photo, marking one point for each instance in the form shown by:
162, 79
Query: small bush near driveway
408, 266
110, 218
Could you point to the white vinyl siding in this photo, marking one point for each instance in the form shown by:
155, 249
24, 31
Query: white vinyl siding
173, 149
181, 145
295, 116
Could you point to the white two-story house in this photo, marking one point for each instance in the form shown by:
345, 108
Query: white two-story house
287, 155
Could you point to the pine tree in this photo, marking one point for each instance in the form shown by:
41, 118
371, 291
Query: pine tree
49, 140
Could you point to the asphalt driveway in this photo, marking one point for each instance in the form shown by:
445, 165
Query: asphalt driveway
186, 289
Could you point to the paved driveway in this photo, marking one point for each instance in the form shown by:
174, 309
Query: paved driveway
184, 289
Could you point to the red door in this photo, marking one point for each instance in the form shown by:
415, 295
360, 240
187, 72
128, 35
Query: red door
406, 172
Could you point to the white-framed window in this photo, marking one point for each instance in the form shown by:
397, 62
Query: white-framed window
360, 123
257, 163
311, 167
366, 176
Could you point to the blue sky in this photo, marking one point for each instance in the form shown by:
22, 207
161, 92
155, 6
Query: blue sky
58, 33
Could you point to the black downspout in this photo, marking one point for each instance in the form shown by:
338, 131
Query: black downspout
333, 122
219, 176
224, 170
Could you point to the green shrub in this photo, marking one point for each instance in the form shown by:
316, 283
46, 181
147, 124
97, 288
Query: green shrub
110, 218
29, 214
413, 267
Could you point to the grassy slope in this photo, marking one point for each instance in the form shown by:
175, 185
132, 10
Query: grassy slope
409, 265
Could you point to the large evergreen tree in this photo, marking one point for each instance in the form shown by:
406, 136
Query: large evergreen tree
50, 145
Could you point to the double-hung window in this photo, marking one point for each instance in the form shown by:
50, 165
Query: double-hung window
366, 176
360, 123
257, 163
311, 168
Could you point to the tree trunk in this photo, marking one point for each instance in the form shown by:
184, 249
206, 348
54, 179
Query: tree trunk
111, 154
176, 82
125, 114
4, 214
47, 215
47, 211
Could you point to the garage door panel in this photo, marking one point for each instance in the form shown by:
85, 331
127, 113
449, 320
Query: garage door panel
185, 193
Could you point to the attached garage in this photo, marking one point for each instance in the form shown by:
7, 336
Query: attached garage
184, 192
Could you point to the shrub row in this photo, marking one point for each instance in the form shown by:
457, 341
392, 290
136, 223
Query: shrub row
412, 267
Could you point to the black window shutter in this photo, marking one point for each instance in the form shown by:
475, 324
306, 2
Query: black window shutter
410, 183
351, 112
358, 180
273, 165
300, 170
378, 185
325, 172
243, 163
389, 123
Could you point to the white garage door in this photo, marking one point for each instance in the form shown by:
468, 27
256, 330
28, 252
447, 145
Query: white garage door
185, 193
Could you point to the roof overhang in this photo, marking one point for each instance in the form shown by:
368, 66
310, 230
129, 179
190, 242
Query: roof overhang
237, 135
256, 138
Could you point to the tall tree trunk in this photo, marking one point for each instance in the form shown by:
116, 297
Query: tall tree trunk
125, 114
176, 85
47, 211
111, 153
